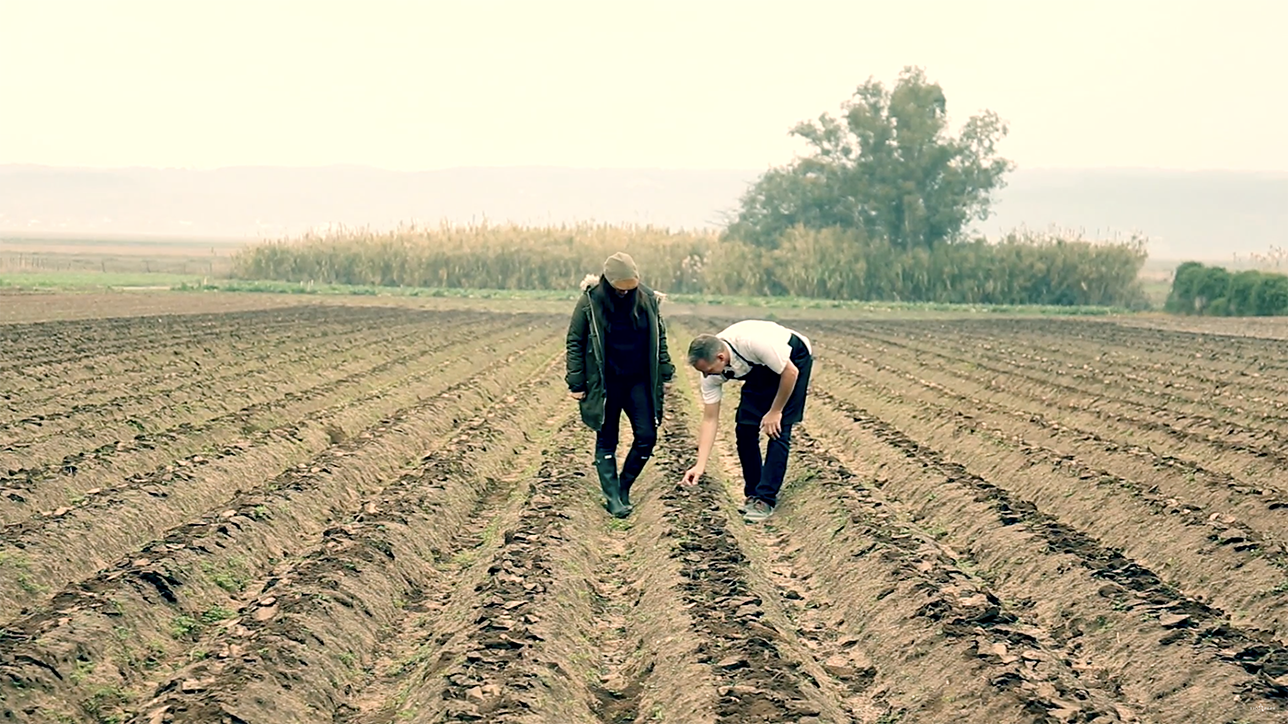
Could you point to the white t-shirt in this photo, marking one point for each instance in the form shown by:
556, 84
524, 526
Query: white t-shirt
760, 342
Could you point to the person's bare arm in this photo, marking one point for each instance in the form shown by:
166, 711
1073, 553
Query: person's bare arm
706, 440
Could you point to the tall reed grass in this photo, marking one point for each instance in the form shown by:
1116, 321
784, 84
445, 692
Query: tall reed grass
1023, 268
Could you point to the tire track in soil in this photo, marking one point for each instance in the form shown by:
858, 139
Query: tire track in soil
1206, 628
294, 654
178, 578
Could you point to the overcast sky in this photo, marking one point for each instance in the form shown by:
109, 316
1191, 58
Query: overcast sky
1174, 84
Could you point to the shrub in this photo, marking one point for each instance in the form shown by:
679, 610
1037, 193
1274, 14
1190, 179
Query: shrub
1214, 291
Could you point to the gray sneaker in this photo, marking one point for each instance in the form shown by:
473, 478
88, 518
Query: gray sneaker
746, 503
758, 510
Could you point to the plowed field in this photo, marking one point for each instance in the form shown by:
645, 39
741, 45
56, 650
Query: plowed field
370, 515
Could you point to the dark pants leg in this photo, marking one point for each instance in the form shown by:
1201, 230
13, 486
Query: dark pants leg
748, 439
763, 477
639, 410
775, 467
606, 437
631, 397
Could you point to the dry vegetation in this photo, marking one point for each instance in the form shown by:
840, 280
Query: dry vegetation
1024, 268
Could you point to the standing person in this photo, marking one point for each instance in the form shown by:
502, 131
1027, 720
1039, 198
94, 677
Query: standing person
773, 363
618, 362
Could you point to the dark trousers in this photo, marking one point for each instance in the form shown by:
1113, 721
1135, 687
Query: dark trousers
762, 478
629, 396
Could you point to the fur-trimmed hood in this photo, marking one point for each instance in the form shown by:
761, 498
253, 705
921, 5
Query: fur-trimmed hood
592, 280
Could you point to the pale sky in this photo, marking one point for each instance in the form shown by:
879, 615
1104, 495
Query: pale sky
424, 85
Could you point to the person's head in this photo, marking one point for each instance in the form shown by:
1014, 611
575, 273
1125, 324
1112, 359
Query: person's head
708, 354
621, 273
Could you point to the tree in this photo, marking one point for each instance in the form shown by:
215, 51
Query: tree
888, 167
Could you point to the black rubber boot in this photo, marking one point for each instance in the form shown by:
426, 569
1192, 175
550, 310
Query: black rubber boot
636, 459
624, 491
607, 469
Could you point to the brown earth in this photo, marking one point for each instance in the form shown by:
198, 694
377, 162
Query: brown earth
263, 511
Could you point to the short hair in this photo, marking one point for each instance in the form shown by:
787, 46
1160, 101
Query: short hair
704, 348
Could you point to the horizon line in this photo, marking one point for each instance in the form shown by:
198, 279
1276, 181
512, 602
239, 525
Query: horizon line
748, 170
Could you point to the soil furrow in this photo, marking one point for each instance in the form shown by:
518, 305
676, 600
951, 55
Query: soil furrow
298, 652
1218, 456
23, 307
271, 364
81, 542
1177, 618
494, 670
797, 602
104, 443
757, 674
1194, 551
175, 369
1231, 491
1012, 659
415, 640
1221, 434
147, 610
152, 458
74, 343
1249, 377
1231, 512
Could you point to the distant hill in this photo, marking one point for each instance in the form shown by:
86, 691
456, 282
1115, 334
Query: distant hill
1203, 215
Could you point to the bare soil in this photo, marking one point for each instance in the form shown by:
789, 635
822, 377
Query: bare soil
252, 510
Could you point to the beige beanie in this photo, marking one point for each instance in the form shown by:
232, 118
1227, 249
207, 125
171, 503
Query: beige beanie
621, 272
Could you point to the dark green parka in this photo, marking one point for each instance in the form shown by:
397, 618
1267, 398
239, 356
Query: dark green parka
586, 361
